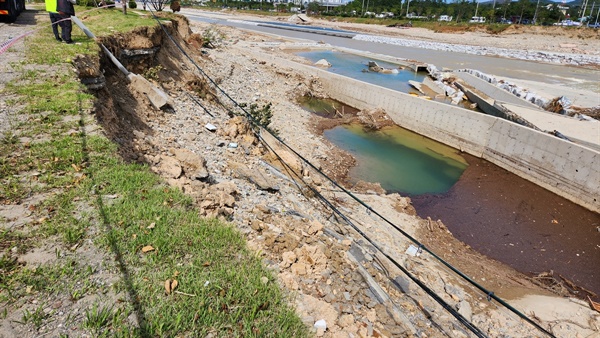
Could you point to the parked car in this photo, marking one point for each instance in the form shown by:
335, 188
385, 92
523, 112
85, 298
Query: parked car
477, 19
568, 23
594, 25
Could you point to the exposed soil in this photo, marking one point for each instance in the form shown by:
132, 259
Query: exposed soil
297, 236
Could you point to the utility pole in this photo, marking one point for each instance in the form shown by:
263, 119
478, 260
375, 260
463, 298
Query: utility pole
477, 8
536, 12
407, 6
583, 8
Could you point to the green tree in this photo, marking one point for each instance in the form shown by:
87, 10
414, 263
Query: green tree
313, 8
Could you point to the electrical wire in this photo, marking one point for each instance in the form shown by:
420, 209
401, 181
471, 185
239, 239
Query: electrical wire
489, 294
422, 285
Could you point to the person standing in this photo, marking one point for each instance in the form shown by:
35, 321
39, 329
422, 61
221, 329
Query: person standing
65, 9
54, 17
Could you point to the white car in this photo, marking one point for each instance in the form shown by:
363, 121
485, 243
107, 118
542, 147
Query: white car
568, 23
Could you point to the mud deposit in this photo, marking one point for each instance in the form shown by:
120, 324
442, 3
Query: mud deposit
521, 224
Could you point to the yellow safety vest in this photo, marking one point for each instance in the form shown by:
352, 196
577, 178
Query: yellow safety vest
51, 6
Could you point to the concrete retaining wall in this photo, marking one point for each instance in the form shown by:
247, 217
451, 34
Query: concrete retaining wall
565, 168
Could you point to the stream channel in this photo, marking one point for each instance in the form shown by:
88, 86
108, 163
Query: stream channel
356, 67
499, 214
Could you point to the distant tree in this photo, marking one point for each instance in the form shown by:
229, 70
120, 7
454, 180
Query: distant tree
313, 7
158, 5
552, 15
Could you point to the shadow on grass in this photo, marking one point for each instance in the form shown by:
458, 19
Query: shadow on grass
131, 291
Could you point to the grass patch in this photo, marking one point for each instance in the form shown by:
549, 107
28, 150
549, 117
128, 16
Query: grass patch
60, 94
35, 317
97, 318
109, 21
220, 279
66, 277
44, 49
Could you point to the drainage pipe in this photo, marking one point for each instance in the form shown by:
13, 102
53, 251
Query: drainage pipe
108, 53
158, 98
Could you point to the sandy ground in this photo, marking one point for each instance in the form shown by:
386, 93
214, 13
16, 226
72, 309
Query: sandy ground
553, 39
493, 274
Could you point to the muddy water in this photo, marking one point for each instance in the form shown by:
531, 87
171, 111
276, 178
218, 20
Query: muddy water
519, 223
400, 160
497, 213
326, 108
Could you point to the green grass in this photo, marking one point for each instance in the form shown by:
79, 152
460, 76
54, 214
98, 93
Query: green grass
219, 280
35, 317
104, 22
44, 49
98, 317
194, 251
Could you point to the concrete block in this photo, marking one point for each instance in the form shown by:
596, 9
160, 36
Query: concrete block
157, 97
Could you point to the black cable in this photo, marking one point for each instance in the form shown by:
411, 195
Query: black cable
200, 104
490, 295
430, 292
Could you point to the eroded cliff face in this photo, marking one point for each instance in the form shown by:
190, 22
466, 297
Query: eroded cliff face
123, 109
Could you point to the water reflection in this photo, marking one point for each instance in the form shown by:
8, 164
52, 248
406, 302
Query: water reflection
400, 160
353, 66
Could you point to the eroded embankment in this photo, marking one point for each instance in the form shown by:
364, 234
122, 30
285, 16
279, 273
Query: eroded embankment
304, 245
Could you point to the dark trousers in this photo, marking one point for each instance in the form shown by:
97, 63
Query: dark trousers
54, 18
66, 27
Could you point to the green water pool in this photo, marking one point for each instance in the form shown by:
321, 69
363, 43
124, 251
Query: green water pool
400, 160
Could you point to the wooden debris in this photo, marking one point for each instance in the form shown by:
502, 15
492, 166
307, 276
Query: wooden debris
594, 305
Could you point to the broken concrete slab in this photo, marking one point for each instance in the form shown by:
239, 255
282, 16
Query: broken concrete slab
158, 98
258, 176
416, 85
493, 91
434, 86
582, 132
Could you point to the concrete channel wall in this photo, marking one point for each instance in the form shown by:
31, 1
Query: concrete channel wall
563, 167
